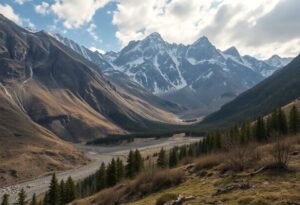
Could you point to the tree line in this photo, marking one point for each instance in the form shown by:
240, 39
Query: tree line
261, 130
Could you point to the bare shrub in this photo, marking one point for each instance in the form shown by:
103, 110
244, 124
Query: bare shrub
239, 157
150, 182
280, 153
208, 161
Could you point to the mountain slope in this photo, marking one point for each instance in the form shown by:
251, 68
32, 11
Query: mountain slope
277, 90
27, 149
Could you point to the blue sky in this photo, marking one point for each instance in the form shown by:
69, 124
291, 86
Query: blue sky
105, 30
258, 28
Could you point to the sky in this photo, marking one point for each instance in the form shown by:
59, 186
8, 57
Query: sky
259, 28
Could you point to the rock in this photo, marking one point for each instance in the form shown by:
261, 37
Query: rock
265, 183
180, 200
201, 173
295, 153
231, 187
292, 203
209, 174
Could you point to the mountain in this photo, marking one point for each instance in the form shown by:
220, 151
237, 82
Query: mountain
277, 61
276, 91
198, 76
119, 77
48, 93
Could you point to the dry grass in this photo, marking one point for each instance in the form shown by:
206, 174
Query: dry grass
145, 184
165, 198
209, 161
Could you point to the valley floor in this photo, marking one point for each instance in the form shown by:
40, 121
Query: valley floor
98, 154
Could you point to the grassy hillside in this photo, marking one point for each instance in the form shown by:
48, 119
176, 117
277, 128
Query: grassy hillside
241, 165
213, 179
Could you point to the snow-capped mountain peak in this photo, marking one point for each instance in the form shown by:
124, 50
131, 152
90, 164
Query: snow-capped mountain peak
232, 51
202, 41
277, 61
233, 54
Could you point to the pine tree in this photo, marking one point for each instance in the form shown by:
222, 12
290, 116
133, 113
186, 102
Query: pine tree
173, 157
33, 200
70, 191
54, 198
46, 199
62, 192
182, 152
130, 167
112, 173
22, 197
274, 121
269, 128
260, 129
282, 122
192, 150
161, 160
120, 169
139, 162
5, 199
234, 133
217, 141
294, 122
101, 177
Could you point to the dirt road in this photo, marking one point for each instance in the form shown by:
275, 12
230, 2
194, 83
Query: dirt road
98, 154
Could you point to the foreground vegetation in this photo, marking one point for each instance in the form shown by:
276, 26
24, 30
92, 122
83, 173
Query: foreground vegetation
222, 158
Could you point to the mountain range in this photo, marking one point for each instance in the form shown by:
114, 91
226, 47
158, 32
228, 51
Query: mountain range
198, 76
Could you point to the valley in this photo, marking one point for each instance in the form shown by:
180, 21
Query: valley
130, 112
97, 155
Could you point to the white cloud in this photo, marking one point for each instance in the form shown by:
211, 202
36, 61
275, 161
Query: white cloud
97, 49
75, 13
9, 13
43, 8
252, 26
91, 31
